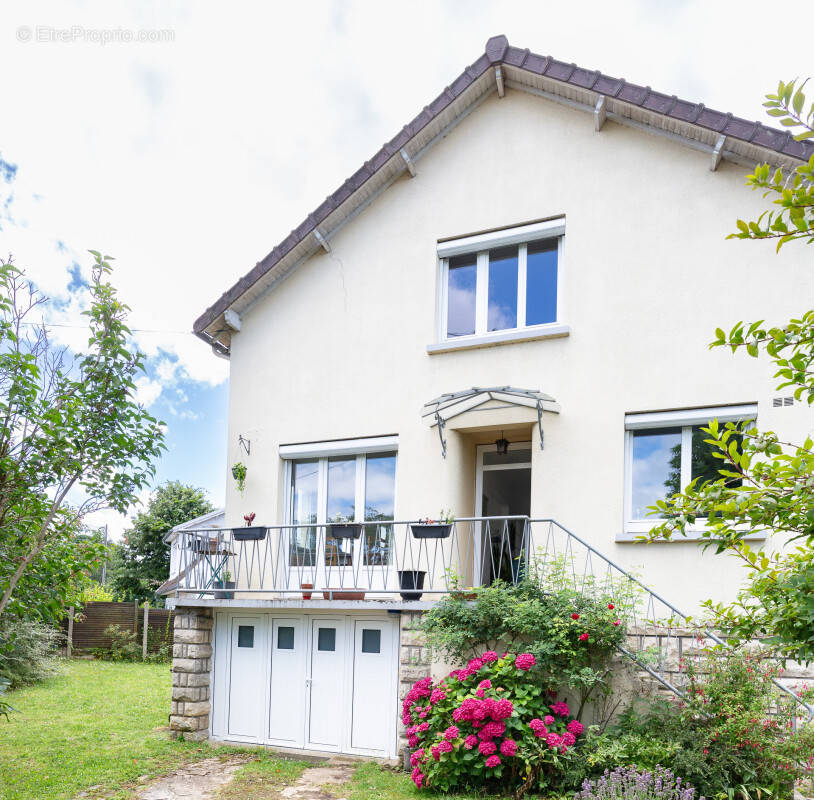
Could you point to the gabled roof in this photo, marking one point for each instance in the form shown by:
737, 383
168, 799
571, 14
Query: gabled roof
720, 134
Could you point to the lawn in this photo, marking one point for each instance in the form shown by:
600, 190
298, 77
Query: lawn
96, 724
102, 727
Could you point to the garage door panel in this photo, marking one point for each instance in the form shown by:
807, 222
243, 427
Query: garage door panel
373, 686
328, 683
247, 665
288, 678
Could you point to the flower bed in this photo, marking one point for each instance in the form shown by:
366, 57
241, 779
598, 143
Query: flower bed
488, 722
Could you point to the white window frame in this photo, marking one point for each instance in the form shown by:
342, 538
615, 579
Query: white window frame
686, 420
322, 452
481, 244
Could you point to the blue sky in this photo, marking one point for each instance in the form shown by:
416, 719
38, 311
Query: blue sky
189, 157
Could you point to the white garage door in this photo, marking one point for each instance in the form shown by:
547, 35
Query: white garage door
320, 682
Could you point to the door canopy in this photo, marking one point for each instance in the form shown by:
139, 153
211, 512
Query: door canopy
492, 403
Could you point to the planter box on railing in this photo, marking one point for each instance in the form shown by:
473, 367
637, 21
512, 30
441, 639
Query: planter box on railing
253, 534
431, 530
345, 530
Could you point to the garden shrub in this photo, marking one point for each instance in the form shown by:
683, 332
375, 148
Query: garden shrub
731, 736
489, 723
125, 645
28, 650
570, 633
632, 784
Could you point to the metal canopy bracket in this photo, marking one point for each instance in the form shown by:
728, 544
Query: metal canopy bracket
441, 425
449, 405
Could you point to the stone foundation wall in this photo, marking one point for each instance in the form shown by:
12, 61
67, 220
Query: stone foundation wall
414, 660
191, 669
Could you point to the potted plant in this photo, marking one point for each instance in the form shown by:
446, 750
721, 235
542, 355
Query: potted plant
411, 579
342, 527
250, 532
226, 583
433, 528
239, 474
304, 586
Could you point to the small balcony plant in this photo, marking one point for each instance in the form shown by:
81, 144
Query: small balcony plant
343, 527
225, 583
250, 532
433, 528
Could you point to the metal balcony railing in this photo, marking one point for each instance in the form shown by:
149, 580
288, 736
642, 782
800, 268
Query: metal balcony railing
321, 560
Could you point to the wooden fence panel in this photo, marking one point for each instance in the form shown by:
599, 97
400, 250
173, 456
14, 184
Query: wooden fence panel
88, 630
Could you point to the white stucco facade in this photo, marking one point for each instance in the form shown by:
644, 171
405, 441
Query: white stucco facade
340, 348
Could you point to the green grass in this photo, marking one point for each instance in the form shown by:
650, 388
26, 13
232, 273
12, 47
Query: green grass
371, 781
94, 724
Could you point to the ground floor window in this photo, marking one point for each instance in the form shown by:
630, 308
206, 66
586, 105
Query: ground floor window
665, 451
342, 489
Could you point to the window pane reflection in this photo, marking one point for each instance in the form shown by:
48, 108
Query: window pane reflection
502, 289
341, 508
656, 467
461, 295
303, 542
541, 282
380, 491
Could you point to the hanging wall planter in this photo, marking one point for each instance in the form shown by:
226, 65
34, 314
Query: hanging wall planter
345, 530
411, 579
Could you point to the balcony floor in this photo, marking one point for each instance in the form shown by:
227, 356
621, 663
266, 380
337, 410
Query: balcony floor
302, 605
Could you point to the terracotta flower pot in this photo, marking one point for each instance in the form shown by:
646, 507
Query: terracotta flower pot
306, 595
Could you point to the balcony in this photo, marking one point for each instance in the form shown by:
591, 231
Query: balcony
382, 560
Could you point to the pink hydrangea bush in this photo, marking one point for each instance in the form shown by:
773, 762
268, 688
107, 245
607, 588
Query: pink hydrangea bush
489, 722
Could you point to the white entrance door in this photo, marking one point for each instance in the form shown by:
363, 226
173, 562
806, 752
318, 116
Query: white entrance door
289, 649
373, 699
246, 668
328, 662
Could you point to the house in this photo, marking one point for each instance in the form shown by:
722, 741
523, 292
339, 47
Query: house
503, 314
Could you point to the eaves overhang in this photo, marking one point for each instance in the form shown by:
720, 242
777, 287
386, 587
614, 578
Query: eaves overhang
721, 135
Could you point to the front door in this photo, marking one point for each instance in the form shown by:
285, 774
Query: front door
503, 491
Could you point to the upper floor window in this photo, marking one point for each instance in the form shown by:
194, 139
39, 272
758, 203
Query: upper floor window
501, 281
665, 451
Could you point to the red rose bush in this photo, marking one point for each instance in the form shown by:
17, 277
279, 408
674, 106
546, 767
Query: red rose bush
488, 722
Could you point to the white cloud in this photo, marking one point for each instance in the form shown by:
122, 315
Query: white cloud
147, 390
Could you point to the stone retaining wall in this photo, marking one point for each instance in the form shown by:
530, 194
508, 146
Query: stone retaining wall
414, 660
191, 666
